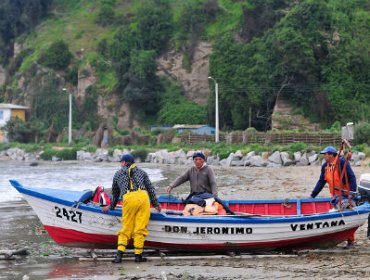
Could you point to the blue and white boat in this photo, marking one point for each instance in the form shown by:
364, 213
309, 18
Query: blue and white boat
72, 220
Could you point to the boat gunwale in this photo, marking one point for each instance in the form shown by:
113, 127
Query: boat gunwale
230, 219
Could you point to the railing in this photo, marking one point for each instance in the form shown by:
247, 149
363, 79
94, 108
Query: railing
267, 138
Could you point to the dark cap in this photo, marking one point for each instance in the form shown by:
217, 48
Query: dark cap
199, 154
329, 149
128, 158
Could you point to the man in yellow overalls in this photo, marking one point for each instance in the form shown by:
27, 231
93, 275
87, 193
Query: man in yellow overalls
133, 185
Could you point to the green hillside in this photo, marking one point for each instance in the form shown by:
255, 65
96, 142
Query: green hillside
315, 54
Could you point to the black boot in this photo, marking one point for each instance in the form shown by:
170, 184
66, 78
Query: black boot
139, 258
118, 258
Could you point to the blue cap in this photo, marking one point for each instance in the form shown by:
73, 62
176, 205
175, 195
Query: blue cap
199, 154
128, 158
329, 149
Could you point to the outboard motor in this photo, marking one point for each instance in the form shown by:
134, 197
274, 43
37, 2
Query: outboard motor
364, 190
364, 187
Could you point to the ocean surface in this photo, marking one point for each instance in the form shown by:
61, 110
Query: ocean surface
67, 175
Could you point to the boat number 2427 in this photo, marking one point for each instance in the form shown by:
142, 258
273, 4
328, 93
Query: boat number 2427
70, 215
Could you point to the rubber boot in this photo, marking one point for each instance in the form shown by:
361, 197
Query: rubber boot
350, 244
139, 258
118, 258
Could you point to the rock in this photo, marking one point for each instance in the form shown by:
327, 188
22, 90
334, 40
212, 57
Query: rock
285, 158
237, 162
275, 158
251, 154
212, 160
303, 161
238, 155
297, 156
117, 152
229, 159
361, 155
265, 155
15, 154
257, 161
313, 158
29, 157
84, 156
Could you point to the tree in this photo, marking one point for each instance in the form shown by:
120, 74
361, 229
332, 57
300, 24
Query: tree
176, 108
154, 24
57, 56
142, 85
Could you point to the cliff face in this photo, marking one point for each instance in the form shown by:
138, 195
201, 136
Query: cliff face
195, 82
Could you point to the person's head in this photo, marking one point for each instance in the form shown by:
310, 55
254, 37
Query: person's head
127, 160
329, 153
199, 159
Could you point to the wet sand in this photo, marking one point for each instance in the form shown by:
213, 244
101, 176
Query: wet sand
21, 228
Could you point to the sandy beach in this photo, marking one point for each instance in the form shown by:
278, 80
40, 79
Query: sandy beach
46, 260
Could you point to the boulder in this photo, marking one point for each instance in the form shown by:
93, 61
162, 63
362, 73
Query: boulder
257, 161
275, 158
285, 158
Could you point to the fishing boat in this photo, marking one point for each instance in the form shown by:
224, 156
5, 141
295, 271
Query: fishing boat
258, 225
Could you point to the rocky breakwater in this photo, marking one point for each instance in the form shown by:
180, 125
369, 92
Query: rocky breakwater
252, 159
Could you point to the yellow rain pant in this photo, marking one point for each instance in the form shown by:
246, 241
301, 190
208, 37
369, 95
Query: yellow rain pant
135, 219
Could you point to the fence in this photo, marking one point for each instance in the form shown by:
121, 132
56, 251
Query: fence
267, 138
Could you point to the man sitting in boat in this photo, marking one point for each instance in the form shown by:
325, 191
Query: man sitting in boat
203, 188
337, 172
201, 177
133, 185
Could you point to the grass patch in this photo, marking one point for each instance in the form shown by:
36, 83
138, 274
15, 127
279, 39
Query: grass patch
227, 20
64, 154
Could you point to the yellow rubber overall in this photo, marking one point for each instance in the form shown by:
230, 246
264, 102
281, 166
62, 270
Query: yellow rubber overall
135, 219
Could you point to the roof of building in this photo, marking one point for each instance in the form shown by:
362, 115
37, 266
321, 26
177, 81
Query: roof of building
12, 106
189, 126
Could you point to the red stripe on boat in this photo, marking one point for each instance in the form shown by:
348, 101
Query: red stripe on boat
73, 238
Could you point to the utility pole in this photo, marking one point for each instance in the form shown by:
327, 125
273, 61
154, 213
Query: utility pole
217, 136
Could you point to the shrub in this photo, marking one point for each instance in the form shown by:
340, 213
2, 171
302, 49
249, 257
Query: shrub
57, 56
105, 15
65, 154
141, 154
362, 133
4, 146
297, 147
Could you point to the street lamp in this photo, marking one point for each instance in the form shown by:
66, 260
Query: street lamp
217, 138
70, 117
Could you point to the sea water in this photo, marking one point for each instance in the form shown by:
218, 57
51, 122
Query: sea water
68, 175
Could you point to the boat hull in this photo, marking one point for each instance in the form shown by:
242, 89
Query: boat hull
75, 224
75, 239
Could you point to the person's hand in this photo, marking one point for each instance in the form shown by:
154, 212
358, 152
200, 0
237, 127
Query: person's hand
168, 189
159, 209
105, 208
